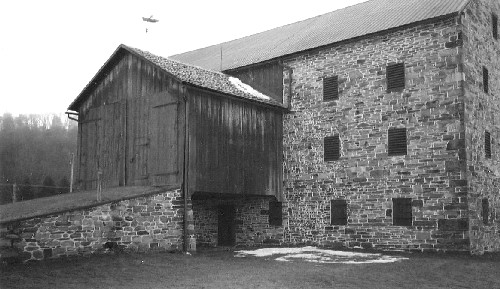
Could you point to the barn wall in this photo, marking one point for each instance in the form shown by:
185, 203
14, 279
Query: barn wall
235, 147
266, 78
482, 114
121, 127
252, 226
431, 174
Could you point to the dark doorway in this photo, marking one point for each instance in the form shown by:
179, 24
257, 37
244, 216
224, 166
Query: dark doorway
226, 232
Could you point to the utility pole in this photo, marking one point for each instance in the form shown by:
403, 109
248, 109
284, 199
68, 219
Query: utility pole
72, 162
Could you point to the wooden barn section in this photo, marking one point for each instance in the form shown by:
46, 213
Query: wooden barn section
150, 121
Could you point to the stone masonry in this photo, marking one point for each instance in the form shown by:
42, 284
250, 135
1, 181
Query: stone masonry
251, 222
144, 223
431, 108
482, 113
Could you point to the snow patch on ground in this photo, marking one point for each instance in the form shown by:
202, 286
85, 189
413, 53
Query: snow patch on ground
247, 88
316, 255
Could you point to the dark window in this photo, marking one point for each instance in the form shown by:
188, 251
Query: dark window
397, 141
401, 212
332, 148
338, 212
486, 211
487, 144
494, 22
395, 77
330, 88
485, 79
275, 213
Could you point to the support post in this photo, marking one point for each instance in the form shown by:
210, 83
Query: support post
14, 193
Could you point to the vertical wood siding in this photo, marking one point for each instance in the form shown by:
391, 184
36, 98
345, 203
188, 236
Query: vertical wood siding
266, 78
123, 132
132, 130
235, 146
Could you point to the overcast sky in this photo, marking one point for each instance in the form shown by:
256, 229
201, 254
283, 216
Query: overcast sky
49, 50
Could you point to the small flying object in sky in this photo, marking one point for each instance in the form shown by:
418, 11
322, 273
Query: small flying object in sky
150, 19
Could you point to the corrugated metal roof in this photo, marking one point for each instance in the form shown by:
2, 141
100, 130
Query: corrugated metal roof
354, 21
190, 74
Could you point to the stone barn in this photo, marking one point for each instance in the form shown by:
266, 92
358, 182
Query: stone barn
145, 120
391, 138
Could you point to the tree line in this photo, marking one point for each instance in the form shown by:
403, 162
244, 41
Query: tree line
35, 154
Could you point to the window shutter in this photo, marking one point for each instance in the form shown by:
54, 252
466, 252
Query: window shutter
485, 80
338, 210
331, 88
401, 212
275, 213
487, 144
332, 148
486, 211
494, 22
395, 77
397, 144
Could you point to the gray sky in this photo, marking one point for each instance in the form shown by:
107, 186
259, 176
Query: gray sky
50, 49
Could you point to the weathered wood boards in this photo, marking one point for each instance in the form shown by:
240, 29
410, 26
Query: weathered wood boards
133, 125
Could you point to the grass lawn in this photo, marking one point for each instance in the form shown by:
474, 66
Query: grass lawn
220, 269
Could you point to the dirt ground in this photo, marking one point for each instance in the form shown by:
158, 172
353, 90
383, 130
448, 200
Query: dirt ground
220, 269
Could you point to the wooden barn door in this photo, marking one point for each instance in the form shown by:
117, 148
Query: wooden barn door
138, 141
89, 149
163, 135
112, 144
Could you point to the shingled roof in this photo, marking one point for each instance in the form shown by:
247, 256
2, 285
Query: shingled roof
189, 74
351, 22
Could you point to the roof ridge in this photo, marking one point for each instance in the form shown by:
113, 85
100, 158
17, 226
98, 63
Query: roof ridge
173, 60
267, 30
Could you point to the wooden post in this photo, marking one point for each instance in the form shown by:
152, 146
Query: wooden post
14, 193
72, 162
99, 186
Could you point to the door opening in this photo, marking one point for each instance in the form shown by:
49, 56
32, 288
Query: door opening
226, 226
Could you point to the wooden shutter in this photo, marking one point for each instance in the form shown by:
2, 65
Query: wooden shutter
486, 210
331, 148
331, 88
485, 80
338, 209
395, 77
397, 144
401, 212
487, 144
494, 22
275, 213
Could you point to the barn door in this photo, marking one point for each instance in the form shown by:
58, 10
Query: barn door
226, 235
163, 139
138, 141
89, 149
112, 144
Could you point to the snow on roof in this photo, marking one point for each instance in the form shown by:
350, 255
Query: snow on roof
247, 88
187, 73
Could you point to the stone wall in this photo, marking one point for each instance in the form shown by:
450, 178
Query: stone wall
140, 224
251, 222
482, 114
430, 107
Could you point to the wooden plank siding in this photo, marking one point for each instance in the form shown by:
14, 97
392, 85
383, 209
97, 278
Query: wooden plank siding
234, 146
115, 132
266, 78
132, 129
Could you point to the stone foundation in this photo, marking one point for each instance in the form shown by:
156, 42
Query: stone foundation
251, 222
145, 223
